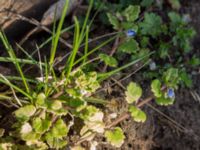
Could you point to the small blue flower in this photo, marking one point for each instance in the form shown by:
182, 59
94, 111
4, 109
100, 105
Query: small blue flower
170, 93
130, 33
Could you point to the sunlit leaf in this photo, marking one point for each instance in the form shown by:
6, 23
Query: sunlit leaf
41, 125
59, 129
40, 101
164, 101
137, 114
55, 142
115, 137
133, 93
25, 112
156, 88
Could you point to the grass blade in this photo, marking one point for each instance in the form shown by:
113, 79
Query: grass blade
106, 75
58, 32
14, 58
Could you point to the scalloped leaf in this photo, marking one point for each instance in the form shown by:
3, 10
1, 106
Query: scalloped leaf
115, 137
109, 60
25, 112
113, 20
137, 114
132, 13
41, 125
59, 129
133, 93
129, 46
164, 101
156, 88
40, 101
53, 142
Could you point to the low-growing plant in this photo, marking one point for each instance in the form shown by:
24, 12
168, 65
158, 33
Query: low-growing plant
147, 29
58, 110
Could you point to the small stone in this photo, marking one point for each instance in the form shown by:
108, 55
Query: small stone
152, 66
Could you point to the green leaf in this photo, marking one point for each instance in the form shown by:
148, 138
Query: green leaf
175, 4
156, 88
144, 42
171, 77
41, 125
109, 60
30, 136
132, 13
146, 3
27, 133
40, 101
115, 137
195, 61
164, 101
88, 112
113, 20
55, 142
25, 112
175, 19
129, 46
183, 37
186, 79
152, 25
164, 49
144, 52
59, 129
129, 26
133, 93
137, 114
76, 103
56, 105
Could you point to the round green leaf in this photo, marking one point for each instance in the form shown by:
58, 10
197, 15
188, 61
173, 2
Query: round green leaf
132, 13
40, 125
40, 99
129, 46
56, 105
133, 93
25, 112
115, 137
137, 114
59, 129
110, 61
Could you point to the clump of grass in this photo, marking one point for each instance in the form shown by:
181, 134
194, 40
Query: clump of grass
44, 103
